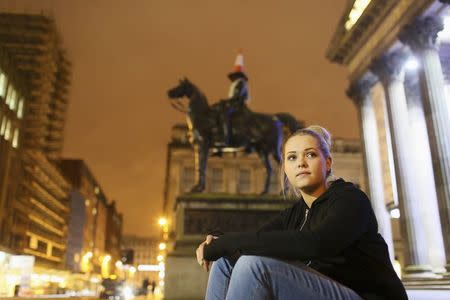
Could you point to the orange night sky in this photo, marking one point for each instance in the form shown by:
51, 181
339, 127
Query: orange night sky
127, 53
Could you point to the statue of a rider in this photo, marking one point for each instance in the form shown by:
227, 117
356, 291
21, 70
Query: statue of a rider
238, 95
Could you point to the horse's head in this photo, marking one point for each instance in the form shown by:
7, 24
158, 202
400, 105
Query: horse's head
183, 89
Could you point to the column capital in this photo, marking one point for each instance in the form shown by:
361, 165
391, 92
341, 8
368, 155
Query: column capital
422, 33
358, 90
390, 67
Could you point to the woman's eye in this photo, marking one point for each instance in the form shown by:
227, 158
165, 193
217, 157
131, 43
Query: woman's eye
292, 157
310, 155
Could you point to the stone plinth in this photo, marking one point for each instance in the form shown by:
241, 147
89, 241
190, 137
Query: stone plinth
198, 214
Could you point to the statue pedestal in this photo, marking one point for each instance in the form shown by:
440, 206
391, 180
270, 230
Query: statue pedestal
198, 214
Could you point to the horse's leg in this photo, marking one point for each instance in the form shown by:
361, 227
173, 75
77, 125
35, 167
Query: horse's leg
203, 159
279, 141
265, 159
200, 158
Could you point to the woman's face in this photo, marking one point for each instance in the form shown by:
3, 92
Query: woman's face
304, 163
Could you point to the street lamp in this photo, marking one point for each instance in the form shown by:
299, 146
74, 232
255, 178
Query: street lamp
162, 246
162, 221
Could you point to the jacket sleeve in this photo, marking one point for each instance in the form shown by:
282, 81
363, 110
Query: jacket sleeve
347, 220
276, 223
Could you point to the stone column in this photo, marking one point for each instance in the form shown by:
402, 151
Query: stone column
359, 92
421, 36
424, 171
389, 69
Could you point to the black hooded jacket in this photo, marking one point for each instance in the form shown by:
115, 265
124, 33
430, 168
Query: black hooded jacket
337, 236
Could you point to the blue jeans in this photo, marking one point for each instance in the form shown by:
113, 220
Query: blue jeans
258, 277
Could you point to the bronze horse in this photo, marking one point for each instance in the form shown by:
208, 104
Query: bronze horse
261, 133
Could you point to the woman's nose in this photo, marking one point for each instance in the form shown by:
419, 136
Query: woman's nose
301, 162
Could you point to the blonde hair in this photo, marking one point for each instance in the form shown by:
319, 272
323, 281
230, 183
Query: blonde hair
323, 138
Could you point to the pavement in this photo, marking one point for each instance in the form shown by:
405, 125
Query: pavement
428, 294
149, 297
412, 295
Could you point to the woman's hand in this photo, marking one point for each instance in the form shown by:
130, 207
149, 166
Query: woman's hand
201, 261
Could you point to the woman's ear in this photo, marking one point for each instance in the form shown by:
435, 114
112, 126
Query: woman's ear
329, 164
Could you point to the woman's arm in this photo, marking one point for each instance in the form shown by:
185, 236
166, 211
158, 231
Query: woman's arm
347, 220
276, 223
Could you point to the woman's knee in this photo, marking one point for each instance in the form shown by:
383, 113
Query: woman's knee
251, 263
222, 265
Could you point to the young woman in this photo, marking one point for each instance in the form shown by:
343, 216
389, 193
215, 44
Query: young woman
324, 247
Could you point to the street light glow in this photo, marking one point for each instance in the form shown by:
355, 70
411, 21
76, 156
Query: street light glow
162, 246
119, 264
162, 221
411, 64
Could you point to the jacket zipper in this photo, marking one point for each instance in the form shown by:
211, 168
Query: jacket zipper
301, 227
304, 221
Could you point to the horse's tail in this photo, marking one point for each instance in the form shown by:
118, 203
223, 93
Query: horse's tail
289, 121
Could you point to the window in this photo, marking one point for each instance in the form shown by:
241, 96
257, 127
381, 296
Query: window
56, 252
274, 187
216, 180
13, 101
3, 126
8, 130
244, 181
15, 141
9, 94
187, 179
20, 109
41, 247
33, 242
3, 82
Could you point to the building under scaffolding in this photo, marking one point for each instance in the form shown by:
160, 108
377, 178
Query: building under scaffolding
34, 192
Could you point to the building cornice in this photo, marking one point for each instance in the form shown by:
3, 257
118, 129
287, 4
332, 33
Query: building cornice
344, 41
375, 31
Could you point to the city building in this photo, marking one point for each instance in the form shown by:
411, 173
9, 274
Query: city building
93, 219
397, 55
114, 227
12, 96
145, 259
34, 207
35, 47
35, 83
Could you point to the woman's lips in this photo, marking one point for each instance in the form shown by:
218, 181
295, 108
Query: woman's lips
301, 174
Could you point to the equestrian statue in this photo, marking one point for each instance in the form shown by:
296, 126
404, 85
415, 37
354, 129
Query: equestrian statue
230, 124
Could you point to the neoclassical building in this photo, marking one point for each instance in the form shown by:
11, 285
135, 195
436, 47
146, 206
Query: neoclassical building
397, 55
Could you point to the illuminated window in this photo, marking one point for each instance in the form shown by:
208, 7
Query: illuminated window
3, 82
187, 179
244, 181
217, 180
3, 126
20, 109
33, 242
357, 10
15, 142
9, 94
8, 130
13, 100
